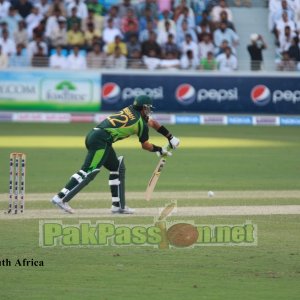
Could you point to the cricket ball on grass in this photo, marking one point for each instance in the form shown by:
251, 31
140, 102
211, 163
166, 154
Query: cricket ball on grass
182, 235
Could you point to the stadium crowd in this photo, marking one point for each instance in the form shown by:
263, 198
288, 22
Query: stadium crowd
151, 34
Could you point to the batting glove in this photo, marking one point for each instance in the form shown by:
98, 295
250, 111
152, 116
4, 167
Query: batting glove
163, 152
174, 142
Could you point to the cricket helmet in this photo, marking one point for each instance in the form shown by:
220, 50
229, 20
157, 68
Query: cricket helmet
143, 102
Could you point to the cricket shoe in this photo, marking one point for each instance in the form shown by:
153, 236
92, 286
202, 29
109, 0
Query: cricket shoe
63, 205
118, 210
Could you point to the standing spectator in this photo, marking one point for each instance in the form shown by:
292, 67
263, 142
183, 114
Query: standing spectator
24, 7
20, 58
82, 11
33, 20
43, 6
57, 4
189, 44
255, 50
90, 35
216, 11
12, 20
4, 7
96, 58
129, 18
40, 59
170, 46
110, 32
58, 36
294, 52
117, 60
188, 61
205, 46
163, 34
75, 61
73, 19
95, 19
124, 7
180, 34
110, 49
8, 45
286, 63
113, 14
226, 61
208, 63
33, 46
224, 33
20, 35
57, 59
75, 36
3, 59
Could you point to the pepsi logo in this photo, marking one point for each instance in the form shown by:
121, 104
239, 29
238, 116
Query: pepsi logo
260, 95
111, 92
185, 94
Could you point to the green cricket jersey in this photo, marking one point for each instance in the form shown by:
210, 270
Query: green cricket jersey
125, 123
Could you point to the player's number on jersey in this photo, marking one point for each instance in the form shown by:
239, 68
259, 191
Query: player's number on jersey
119, 118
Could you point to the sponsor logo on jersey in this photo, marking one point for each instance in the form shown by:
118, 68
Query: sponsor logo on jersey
260, 95
111, 92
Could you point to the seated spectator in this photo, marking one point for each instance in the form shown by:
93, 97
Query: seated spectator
75, 36
144, 35
57, 4
130, 18
151, 47
3, 59
221, 49
224, 18
216, 11
116, 60
146, 17
76, 61
162, 37
224, 33
110, 49
170, 61
43, 6
95, 19
294, 52
206, 18
281, 24
279, 7
82, 11
20, 58
166, 18
73, 19
96, 58
97, 8
4, 8
58, 60
24, 8
170, 46
186, 16
39, 59
286, 63
205, 46
8, 45
179, 9
189, 44
124, 7
208, 63
52, 22
132, 30
202, 29
151, 61
90, 34
113, 14
134, 61
226, 61
3, 27
147, 5
133, 46
58, 36
188, 61
255, 50
36, 43
183, 32
110, 32
20, 35
11, 20
33, 20
40, 28
286, 39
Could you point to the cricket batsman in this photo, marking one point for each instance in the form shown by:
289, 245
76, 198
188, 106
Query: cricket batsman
134, 119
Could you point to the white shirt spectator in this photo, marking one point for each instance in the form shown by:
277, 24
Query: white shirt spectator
32, 48
4, 6
33, 20
281, 24
109, 34
162, 36
58, 61
43, 7
285, 42
188, 64
76, 62
151, 63
204, 48
8, 46
51, 25
82, 11
191, 45
216, 11
226, 64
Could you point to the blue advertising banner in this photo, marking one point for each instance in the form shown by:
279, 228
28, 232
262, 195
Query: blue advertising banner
205, 94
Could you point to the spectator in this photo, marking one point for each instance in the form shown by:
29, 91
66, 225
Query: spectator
20, 58
180, 34
166, 18
96, 58
281, 24
82, 11
286, 63
96, 7
206, 19
188, 61
43, 7
52, 22
150, 47
24, 7
110, 49
135, 62
117, 60
208, 63
286, 39
131, 31
144, 35
113, 14
40, 28
8, 45
224, 33
73, 19
163, 34
216, 11
57, 4
12, 20
110, 32
147, 5
276, 15
179, 9
95, 19
129, 18
75, 36
226, 61
58, 36
146, 17
170, 62
4, 8
33, 46
170, 46
294, 52
186, 16
255, 50
3, 59
33, 20
57, 59
133, 46
205, 46
224, 18
20, 35
296, 6
90, 35
202, 29
189, 44
124, 7
40, 59
76, 61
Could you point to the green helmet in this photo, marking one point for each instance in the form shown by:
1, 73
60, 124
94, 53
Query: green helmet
142, 101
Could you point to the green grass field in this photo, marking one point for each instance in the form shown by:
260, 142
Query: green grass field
227, 160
